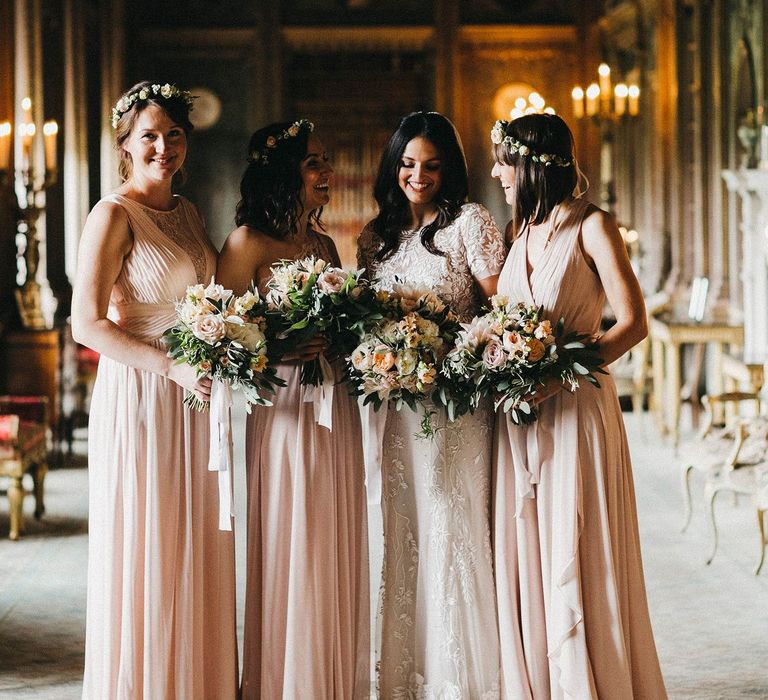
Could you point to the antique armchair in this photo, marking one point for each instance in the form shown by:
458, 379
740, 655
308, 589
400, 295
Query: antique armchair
714, 445
744, 473
23, 449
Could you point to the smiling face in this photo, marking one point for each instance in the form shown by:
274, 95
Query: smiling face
157, 145
506, 175
420, 172
316, 174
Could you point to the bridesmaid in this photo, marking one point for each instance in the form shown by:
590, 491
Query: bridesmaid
573, 616
438, 608
161, 577
307, 600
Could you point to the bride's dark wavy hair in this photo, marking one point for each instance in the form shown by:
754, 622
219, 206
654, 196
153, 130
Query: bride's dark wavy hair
271, 187
394, 213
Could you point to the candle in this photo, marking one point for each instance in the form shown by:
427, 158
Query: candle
633, 93
50, 129
5, 145
604, 79
27, 131
620, 93
593, 92
26, 110
578, 102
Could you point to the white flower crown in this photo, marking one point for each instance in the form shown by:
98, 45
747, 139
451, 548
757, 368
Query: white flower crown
291, 132
166, 91
499, 135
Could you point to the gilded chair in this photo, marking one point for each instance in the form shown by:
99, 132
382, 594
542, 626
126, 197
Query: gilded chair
23, 450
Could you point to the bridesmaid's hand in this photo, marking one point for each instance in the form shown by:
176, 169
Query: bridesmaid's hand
310, 350
186, 376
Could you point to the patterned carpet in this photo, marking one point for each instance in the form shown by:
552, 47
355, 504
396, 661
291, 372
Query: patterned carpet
711, 622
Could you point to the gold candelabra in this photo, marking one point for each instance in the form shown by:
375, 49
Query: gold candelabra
27, 210
603, 100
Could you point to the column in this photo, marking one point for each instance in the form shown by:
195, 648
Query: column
447, 56
75, 133
112, 16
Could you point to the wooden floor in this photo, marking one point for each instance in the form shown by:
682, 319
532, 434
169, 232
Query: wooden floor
711, 622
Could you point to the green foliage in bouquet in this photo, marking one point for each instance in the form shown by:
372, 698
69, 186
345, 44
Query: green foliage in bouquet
310, 297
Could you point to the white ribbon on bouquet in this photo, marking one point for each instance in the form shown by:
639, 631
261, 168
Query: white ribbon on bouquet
373, 423
220, 457
322, 394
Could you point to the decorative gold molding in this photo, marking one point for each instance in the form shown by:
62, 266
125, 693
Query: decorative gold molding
358, 38
508, 34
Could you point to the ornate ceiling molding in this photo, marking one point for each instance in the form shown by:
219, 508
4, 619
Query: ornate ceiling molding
383, 39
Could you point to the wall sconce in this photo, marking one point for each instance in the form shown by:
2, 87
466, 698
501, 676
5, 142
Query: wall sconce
28, 295
602, 100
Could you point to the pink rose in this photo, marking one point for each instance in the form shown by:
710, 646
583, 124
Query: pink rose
494, 355
331, 281
210, 329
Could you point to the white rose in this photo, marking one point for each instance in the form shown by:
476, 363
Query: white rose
143, 94
210, 329
406, 361
361, 357
331, 281
249, 335
165, 91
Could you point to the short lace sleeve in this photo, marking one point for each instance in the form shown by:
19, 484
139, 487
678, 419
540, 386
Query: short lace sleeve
483, 242
368, 245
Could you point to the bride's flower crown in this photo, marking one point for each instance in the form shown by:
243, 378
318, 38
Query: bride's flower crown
499, 135
292, 131
165, 92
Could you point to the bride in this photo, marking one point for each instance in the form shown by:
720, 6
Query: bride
437, 630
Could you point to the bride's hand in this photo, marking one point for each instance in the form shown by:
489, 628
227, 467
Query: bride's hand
186, 376
309, 350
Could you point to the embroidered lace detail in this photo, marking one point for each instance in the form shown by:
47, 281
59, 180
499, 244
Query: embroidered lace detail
175, 225
474, 249
438, 569
437, 601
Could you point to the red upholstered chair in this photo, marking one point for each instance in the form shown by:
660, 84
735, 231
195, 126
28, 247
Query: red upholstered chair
23, 449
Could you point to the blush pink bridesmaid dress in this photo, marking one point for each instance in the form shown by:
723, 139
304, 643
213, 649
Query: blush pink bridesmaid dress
161, 576
573, 616
307, 599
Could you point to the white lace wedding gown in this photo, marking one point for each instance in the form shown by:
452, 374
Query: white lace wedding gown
437, 631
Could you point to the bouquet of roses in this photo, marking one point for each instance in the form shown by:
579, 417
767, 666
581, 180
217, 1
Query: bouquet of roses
225, 336
312, 297
510, 352
399, 359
